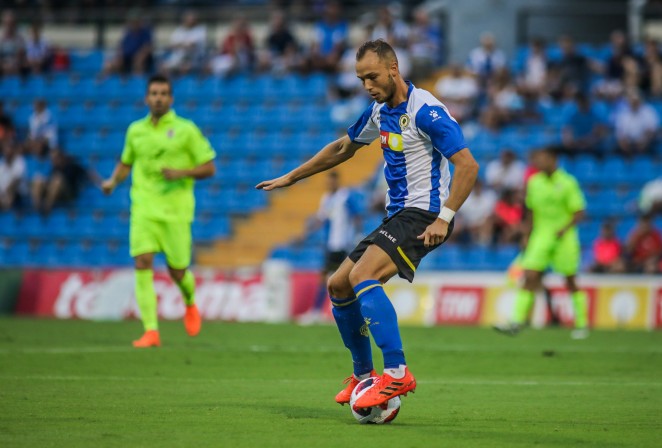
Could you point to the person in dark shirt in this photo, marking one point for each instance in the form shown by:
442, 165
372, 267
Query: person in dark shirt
134, 53
62, 185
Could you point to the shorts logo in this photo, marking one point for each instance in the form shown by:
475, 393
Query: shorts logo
391, 140
404, 121
171, 133
390, 237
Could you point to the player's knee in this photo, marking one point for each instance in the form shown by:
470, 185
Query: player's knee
176, 274
358, 274
142, 262
338, 287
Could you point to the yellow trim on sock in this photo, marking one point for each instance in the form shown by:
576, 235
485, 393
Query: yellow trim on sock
407, 260
344, 303
367, 288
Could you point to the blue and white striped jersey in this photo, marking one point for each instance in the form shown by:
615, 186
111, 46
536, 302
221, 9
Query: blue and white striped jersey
417, 138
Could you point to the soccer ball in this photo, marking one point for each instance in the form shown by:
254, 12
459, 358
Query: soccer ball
384, 413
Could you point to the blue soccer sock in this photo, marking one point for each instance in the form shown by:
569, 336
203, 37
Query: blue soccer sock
380, 317
347, 313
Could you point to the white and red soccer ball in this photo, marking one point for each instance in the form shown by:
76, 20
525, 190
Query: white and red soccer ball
384, 413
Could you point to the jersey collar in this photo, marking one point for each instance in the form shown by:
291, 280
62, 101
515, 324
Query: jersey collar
169, 117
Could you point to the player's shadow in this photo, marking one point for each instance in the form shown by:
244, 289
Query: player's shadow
305, 412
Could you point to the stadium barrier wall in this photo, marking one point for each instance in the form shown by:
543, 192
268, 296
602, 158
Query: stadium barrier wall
274, 294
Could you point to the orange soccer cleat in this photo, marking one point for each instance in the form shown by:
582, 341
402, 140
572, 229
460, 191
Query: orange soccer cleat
151, 338
351, 381
385, 388
192, 320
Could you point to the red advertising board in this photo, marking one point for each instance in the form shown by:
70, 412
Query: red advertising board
110, 295
459, 305
658, 309
563, 307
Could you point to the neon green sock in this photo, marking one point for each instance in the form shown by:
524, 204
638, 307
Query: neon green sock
146, 298
187, 287
523, 305
580, 303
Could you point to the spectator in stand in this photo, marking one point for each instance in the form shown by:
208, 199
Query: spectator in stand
504, 98
644, 247
583, 130
38, 51
134, 52
12, 175
187, 46
62, 185
505, 173
485, 59
476, 224
508, 217
615, 67
236, 51
282, 50
650, 199
651, 80
637, 124
12, 46
607, 251
534, 76
43, 132
573, 68
424, 44
458, 90
6, 124
330, 39
390, 28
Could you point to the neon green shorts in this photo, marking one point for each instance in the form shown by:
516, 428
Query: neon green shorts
545, 250
148, 236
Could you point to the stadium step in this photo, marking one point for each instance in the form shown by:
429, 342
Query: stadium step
285, 218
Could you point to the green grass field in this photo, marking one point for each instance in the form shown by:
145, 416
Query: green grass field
80, 384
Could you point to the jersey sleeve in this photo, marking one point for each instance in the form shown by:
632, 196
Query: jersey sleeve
128, 153
200, 147
442, 129
576, 201
365, 130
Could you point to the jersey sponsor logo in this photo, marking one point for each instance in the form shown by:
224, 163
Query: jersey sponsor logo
391, 140
171, 133
404, 121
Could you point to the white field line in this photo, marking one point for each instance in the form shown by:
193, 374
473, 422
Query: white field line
439, 381
441, 348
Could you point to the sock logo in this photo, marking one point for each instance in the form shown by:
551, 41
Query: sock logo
364, 329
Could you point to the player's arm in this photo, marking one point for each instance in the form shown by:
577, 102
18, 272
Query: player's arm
120, 173
464, 178
331, 155
576, 204
207, 169
576, 218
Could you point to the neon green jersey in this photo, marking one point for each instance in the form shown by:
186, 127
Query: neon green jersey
553, 200
173, 143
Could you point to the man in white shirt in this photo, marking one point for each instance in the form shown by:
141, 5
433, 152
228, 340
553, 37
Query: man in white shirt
187, 46
637, 124
12, 173
458, 91
486, 59
42, 136
476, 222
505, 173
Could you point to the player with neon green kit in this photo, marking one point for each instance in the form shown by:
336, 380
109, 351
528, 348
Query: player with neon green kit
166, 154
556, 204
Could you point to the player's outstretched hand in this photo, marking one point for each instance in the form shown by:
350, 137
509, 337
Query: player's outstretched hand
280, 182
107, 186
435, 233
172, 174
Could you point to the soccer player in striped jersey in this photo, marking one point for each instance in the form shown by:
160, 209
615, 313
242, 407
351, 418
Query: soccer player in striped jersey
418, 137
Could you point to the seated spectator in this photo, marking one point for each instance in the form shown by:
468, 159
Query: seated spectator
607, 251
475, 225
504, 97
38, 51
42, 135
458, 91
573, 68
282, 50
236, 52
650, 199
12, 46
508, 217
583, 130
644, 247
330, 39
62, 185
615, 67
134, 52
12, 175
6, 124
485, 59
534, 76
187, 46
505, 173
636, 124
424, 44
651, 80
